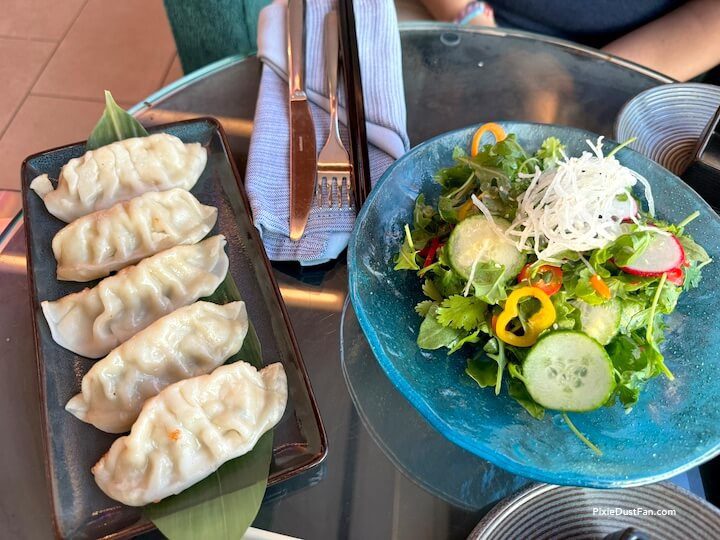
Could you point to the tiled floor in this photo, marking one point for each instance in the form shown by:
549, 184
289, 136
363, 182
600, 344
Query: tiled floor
57, 57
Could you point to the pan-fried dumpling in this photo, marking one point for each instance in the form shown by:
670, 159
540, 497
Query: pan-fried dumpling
95, 245
192, 340
191, 428
94, 321
120, 171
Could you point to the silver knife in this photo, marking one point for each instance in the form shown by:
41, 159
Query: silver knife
303, 155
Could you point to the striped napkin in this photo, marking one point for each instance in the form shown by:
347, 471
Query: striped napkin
267, 183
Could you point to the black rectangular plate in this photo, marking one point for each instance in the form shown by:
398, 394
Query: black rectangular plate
81, 509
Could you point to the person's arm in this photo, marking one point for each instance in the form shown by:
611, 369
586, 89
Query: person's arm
449, 10
444, 10
682, 44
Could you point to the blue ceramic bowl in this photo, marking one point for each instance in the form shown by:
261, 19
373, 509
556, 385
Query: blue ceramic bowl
675, 425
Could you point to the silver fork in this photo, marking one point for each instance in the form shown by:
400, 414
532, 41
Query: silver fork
332, 184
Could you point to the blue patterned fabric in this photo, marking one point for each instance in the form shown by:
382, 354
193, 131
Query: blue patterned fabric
267, 182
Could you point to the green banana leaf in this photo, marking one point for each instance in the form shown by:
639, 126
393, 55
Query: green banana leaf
223, 505
115, 124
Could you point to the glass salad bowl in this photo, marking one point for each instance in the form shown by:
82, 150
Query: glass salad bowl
674, 426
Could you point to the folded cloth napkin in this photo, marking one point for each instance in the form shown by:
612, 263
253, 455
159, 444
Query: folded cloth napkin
328, 230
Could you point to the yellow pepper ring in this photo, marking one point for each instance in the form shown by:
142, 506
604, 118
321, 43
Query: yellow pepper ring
464, 210
542, 320
497, 131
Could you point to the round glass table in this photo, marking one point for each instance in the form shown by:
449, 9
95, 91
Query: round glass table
387, 473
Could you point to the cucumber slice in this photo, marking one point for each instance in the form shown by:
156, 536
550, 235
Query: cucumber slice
600, 322
474, 238
569, 371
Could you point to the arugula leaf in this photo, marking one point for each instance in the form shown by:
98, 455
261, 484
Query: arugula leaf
469, 338
491, 346
692, 276
624, 250
517, 391
550, 153
453, 177
633, 316
519, 353
447, 282
431, 291
495, 349
644, 294
458, 152
635, 363
679, 228
506, 156
697, 258
462, 312
482, 372
567, 316
406, 258
576, 281
449, 208
485, 172
668, 298
514, 369
422, 213
449, 203
115, 124
624, 285
422, 308
434, 335
427, 222
492, 173
494, 187
694, 252
489, 282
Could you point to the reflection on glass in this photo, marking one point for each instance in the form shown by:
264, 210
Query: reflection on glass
550, 86
13, 264
423, 454
327, 300
239, 127
10, 216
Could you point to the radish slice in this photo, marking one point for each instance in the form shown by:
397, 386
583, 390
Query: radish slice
676, 276
625, 210
664, 254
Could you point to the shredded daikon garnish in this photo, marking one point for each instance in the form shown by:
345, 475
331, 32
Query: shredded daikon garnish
577, 206
471, 277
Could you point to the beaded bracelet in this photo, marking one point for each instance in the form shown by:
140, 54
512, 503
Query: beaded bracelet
472, 10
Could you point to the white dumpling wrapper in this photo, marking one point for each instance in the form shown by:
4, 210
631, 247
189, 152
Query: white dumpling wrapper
191, 341
190, 429
120, 171
95, 245
94, 321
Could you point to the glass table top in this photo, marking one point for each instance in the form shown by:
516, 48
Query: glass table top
388, 473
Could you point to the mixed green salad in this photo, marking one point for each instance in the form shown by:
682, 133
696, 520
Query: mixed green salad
546, 274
